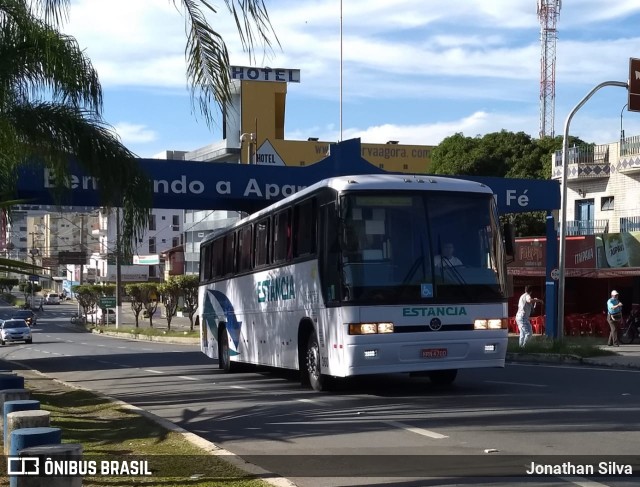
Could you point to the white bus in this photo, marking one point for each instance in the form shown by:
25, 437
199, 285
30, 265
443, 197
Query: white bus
354, 276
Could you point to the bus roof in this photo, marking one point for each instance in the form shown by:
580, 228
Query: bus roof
368, 182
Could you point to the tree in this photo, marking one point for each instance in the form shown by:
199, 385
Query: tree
51, 111
87, 298
135, 293
189, 286
7, 284
51, 98
170, 292
501, 154
149, 298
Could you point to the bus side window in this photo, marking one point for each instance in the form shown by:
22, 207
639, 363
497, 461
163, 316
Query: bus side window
304, 228
281, 236
261, 243
244, 249
329, 254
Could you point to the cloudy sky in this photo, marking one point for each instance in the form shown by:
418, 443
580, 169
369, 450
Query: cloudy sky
415, 71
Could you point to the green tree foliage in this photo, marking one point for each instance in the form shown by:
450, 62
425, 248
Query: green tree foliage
51, 98
51, 111
87, 298
7, 284
149, 297
501, 154
189, 286
170, 292
135, 294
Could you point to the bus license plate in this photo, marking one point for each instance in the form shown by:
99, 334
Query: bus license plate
434, 352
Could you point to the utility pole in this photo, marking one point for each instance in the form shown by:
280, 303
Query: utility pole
118, 271
34, 251
81, 247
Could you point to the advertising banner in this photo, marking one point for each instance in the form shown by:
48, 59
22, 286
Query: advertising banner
618, 250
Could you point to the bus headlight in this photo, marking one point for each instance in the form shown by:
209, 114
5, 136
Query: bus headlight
490, 324
370, 328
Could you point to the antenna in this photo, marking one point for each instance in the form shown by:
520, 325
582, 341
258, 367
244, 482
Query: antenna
548, 12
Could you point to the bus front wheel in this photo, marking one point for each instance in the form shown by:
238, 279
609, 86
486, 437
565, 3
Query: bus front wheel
224, 360
315, 379
443, 377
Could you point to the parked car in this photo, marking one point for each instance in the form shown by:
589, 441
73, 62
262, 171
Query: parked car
109, 316
14, 330
52, 298
27, 315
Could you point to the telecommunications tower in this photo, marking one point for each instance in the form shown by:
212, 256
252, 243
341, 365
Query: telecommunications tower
548, 12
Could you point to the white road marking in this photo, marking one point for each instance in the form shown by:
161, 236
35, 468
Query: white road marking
121, 348
418, 431
582, 482
153, 371
186, 377
147, 349
515, 383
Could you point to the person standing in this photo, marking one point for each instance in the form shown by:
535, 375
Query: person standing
525, 306
614, 317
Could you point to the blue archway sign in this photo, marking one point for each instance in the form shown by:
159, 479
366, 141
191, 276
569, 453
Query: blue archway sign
223, 186
241, 187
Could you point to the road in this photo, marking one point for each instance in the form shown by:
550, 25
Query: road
390, 427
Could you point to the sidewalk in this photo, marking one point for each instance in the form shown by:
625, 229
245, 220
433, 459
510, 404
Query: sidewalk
627, 356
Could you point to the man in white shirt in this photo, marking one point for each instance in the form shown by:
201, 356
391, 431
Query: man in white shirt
447, 259
525, 306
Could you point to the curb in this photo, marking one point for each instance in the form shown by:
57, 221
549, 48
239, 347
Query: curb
149, 338
209, 447
554, 358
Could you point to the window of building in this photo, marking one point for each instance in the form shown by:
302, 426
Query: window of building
152, 222
175, 241
175, 223
405, 166
152, 271
164, 217
152, 245
606, 203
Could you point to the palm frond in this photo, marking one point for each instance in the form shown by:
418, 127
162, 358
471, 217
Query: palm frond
207, 54
38, 59
55, 134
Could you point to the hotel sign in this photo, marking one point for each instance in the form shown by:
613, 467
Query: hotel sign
245, 73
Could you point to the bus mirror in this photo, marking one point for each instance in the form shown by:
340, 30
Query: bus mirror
509, 245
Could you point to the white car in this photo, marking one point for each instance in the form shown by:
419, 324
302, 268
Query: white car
15, 330
52, 298
108, 314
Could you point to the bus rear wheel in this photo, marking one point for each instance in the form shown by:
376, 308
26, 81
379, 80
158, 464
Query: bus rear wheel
313, 369
443, 377
224, 354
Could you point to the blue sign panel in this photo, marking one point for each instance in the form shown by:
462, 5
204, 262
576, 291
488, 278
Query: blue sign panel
242, 187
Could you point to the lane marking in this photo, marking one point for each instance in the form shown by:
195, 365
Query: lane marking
418, 431
154, 371
186, 377
582, 482
515, 383
121, 348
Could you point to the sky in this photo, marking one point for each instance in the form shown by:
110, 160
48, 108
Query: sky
415, 71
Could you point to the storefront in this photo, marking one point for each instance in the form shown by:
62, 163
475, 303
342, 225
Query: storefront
595, 264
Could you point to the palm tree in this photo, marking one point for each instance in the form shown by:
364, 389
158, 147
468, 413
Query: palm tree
51, 98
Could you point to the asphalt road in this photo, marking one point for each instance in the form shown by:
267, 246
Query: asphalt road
389, 429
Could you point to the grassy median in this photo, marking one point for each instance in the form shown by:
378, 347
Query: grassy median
578, 346
108, 430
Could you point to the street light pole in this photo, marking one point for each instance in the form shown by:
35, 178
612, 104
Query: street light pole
563, 204
621, 129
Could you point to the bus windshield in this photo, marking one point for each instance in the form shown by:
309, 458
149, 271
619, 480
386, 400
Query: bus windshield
417, 247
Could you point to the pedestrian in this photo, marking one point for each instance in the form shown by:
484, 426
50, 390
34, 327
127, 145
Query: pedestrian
525, 306
614, 318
